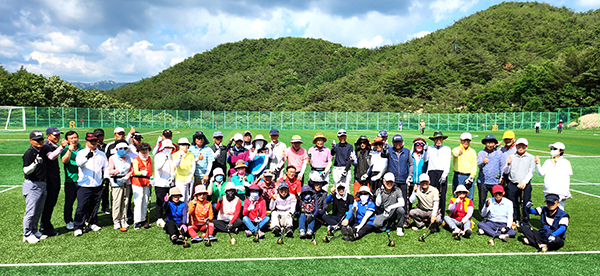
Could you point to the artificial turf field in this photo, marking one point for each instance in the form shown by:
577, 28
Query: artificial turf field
149, 251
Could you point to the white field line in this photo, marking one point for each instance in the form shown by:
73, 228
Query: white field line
19, 140
8, 189
584, 193
306, 258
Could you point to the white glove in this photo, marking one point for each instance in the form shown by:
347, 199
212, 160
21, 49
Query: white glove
333, 144
469, 180
344, 173
464, 221
251, 207
37, 160
378, 200
375, 178
364, 177
409, 180
159, 139
189, 179
551, 239
358, 228
144, 172
386, 213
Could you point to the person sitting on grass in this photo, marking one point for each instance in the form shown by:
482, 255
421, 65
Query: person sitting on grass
282, 206
390, 206
498, 215
363, 219
460, 210
320, 196
229, 208
241, 178
555, 221
342, 201
255, 212
177, 214
428, 205
269, 187
201, 215
308, 207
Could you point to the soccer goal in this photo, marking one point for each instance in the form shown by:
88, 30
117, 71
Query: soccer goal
13, 117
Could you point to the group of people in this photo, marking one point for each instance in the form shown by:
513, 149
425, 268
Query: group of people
253, 185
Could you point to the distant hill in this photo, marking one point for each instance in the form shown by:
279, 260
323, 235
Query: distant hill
101, 85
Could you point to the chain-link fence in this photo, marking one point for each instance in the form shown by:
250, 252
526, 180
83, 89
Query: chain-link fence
587, 117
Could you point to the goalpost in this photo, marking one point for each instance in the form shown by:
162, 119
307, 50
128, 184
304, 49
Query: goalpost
13, 117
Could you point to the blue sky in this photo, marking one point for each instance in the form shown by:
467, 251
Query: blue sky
124, 41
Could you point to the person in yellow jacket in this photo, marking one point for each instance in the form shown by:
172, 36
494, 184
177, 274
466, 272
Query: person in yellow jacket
460, 213
465, 164
185, 166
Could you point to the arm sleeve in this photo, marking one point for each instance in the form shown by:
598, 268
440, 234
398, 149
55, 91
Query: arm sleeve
561, 229
411, 166
446, 163
480, 157
272, 205
29, 169
192, 169
210, 213
177, 160
365, 218
54, 154
510, 215
540, 170
136, 167
451, 207
245, 211
530, 172
436, 206
469, 213
484, 210
349, 213
236, 214
413, 197
316, 208
505, 169
304, 163
473, 159
209, 167
81, 159
455, 151
155, 149
399, 203
329, 198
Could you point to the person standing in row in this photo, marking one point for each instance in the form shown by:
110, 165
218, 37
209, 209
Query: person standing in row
276, 148
164, 169
92, 165
361, 159
34, 188
68, 156
465, 164
520, 168
507, 150
296, 157
140, 184
105, 201
50, 152
379, 165
320, 160
342, 152
203, 157
185, 166
557, 173
439, 166
489, 161
401, 165
119, 171
236, 152
219, 153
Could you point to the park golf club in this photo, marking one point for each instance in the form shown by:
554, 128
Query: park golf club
426, 234
280, 240
256, 239
232, 240
391, 243
147, 225
86, 227
330, 233
491, 241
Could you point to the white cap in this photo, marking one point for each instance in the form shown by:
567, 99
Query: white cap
341, 132
389, 177
119, 129
183, 140
522, 141
238, 137
424, 177
122, 145
364, 189
557, 145
466, 136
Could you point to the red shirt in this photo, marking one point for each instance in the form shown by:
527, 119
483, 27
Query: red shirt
260, 209
461, 210
294, 186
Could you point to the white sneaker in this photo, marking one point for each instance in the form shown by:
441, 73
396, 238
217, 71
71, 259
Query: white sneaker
117, 226
161, 223
480, 231
40, 236
70, 225
124, 224
95, 228
78, 233
504, 237
400, 231
455, 232
31, 239
526, 241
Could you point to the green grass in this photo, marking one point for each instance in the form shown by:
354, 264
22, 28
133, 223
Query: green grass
153, 244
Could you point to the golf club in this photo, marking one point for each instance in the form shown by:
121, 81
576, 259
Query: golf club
256, 239
309, 220
186, 244
426, 234
86, 227
491, 241
147, 225
232, 240
328, 239
280, 240
391, 243
207, 243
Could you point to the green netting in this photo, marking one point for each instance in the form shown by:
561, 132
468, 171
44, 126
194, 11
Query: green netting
110, 118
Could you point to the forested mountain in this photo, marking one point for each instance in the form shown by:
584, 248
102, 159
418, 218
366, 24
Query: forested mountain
100, 85
510, 57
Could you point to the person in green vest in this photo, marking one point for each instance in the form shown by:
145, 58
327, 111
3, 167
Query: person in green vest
67, 156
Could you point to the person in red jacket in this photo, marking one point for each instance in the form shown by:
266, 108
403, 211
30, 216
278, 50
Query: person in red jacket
201, 215
140, 184
229, 208
255, 211
294, 183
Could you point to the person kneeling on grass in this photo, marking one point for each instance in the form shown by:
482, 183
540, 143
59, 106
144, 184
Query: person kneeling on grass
428, 205
201, 214
177, 213
555, 221
283, 206
342, 201
364, 218
255, 212
460, 210
498, 213
308, 208
320, 197
390, 206
229, 208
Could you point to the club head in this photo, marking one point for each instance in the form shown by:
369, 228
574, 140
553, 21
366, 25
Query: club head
123, 229
392, 244
325, 239
147, 226
186, 244
208, 243
255, 239
233, 241
280, 241
313, 242
491, 242
457, 237
329, 233
421, 239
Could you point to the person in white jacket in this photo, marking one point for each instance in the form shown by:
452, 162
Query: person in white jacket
163, 178
557, 173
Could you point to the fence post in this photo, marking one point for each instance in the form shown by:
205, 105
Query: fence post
347, 119
164, 119
368, 120
152, 113
101, 119
292, 120
88, 111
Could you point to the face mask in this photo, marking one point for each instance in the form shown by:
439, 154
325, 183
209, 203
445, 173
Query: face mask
121, 152
307, 198
254, 196
554, 153
166, 151
219, 178
230, 195
259, 144
364, 199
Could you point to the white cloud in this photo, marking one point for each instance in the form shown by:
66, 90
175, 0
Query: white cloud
418, 35
442, 8
60, 43
50, 63
376, 41
589, 3
8, 47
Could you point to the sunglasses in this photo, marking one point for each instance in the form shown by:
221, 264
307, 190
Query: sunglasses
497, 193
553, 148
419, 144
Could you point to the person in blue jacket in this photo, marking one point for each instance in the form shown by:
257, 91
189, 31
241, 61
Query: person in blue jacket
177, 213
555, 221
401, 164
364, 211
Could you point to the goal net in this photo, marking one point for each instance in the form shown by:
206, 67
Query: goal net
12, 118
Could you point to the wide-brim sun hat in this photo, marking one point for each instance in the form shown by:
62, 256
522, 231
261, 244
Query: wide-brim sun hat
174, 191
489, 137
238, 137
200, 189
218, 171
362, 138
230, 186
183, 141
377, 140
259, 137
438, 134
240, 164
364, 189
166, 144
296, 139
254, 187
317, 136
461, 188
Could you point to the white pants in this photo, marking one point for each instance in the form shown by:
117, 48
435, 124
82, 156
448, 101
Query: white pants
184, 188
140, 202
286, 219
315, 175
338, 179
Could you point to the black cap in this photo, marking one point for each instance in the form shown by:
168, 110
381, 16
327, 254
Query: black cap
36, 135
137, 136
167, 132
552, 198
90, 136
99, 132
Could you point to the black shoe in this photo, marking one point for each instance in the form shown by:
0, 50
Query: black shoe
289, 232
276, 231
51, 233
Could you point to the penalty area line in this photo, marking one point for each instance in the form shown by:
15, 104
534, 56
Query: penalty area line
8, 189
305, 258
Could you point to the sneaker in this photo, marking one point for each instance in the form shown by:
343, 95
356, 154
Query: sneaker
174, 239
480, 231
106, 211
309, 233
180, 240
70, 226
117, 226
261, 235
504, 237
77, 233
415, 228
467, 233
526, 241
39, 235
196, 239
213, 238
248, 233
543, 248
137, 226
289, 232
302, 233
330, 230
400, 231
31, 239
124, 224
95, 228
276, 231
160, 222
455, 232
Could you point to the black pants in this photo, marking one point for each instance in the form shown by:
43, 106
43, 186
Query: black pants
405, 194
70, 196
483, 191
537, 130
53, 189
535, 238
434, 178
333, 219
172, 228
160, 202
221, 225
514, 194
366, 229
87, 199
105, 197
